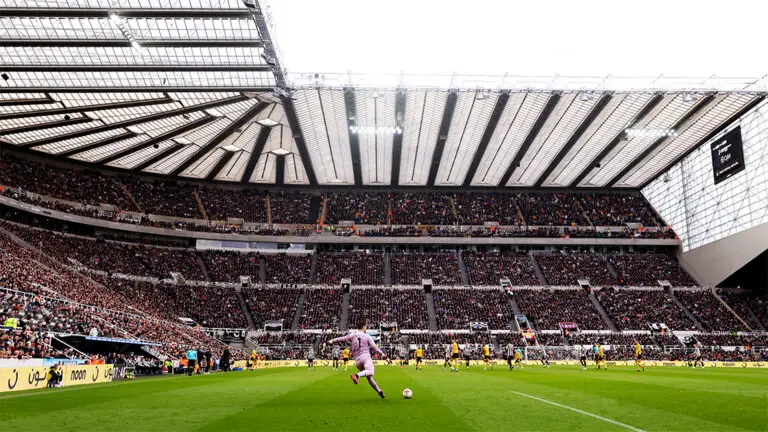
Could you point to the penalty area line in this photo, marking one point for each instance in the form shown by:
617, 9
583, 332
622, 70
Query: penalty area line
576, 410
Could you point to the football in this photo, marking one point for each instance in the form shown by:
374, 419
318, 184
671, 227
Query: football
407, 393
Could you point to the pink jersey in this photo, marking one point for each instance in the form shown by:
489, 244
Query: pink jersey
361, 344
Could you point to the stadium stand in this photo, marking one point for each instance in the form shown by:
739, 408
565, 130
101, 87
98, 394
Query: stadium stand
272, 304
290, 207
405, 307
489, 268
568, 268
421, 209
362, 208
617, 209
548, 308
220, 204
709, 310
649, 269
478, 208
550, 209
362, 268
322, 309
287, 269
228, 266
410, 269
637, 309
457, 308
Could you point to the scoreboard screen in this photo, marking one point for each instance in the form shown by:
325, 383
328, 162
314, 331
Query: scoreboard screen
727, 155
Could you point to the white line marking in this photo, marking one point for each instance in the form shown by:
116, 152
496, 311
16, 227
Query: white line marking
579, 411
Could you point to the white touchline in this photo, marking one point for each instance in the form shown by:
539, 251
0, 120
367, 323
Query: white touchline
579, 411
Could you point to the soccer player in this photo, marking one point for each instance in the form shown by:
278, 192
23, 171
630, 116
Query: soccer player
362, 344
419, 357
601, 356
191, 360
639, 357
545, 359
311, 358
509, 353
345, 357
467, 354
583, 357
402, 355
519, 357
335, 357
454, 356
697, 357
254, 358
486, 356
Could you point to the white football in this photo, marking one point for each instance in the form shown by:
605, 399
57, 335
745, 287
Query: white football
407, 393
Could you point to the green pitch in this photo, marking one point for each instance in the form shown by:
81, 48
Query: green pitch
556, 399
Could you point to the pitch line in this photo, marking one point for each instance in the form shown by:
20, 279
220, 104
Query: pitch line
579, 411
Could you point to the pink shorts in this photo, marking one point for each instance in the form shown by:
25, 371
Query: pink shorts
365, 364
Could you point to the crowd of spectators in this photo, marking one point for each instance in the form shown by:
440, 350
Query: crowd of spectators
290, 207
228, 266
487, 268
362, 268
648, 269
645, 339
362, 208
322, 309
557, 209
164, 198
112, 257
457, 308
272, 304
26, 344
617, 209
405, 307
476, 209
422, 208
548, 308
710, 312
247, 204
82, 186
567, 268
732, 340
637, 309
410, 269
740, 303
287, 269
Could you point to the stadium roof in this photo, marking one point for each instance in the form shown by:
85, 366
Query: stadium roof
195, 89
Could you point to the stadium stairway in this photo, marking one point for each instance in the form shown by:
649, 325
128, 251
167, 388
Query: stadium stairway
754, 317
262, 272
610, 267
387, 269
537, 269
268, 203
314, 209
312, 267
583, 213
244, 308
130, 197
606, 319
299, 310
519, 213
463, 269
430, 299
685, 310
323, 211
203, 267
344, 319
720, 299
200, 206
516, 309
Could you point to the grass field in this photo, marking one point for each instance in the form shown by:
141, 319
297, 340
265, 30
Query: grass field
560, 398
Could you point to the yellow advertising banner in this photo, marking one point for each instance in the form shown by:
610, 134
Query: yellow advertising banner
28, 378
87, 374
23, 378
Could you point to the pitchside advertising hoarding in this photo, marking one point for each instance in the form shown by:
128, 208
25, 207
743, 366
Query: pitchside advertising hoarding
28, 378
727, 155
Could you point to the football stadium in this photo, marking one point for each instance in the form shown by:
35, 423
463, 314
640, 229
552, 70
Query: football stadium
297, 215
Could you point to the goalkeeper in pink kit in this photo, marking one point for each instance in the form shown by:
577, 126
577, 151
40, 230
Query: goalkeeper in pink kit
362, 344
